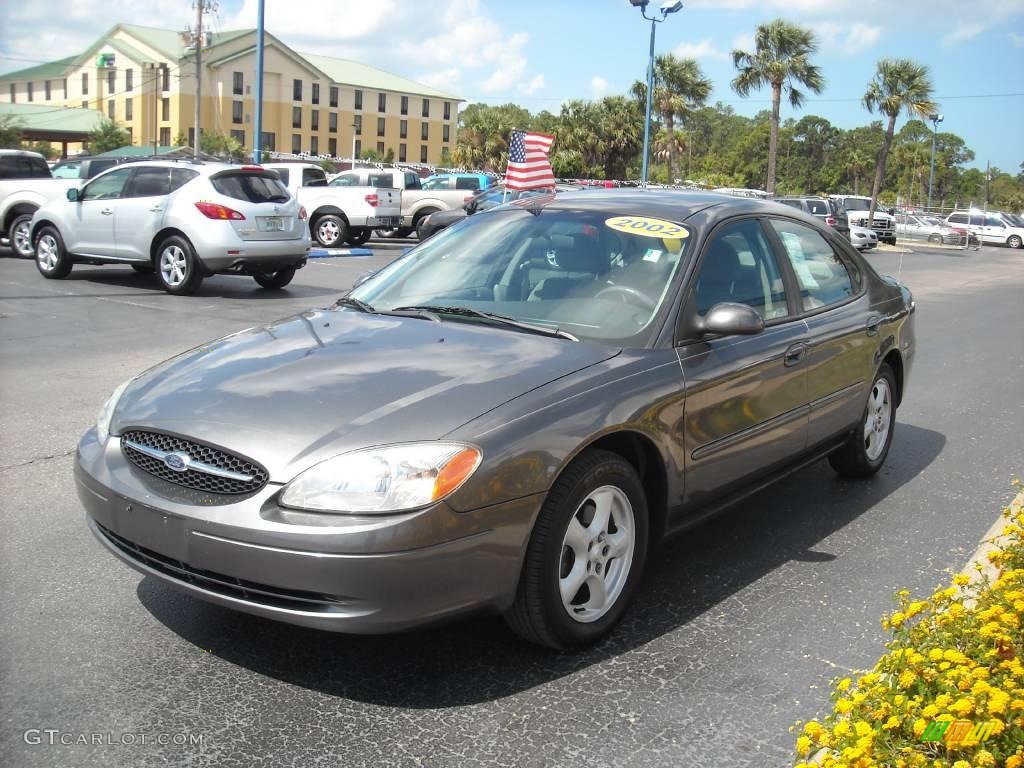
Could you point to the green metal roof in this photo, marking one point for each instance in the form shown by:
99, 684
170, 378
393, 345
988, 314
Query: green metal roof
39, 117
41, 71
364, 76
144, 151
166, 41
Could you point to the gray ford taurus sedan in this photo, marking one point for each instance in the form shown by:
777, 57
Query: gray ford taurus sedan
507, 418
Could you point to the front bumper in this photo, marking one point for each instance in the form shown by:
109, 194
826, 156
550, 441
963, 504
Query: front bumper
366, 575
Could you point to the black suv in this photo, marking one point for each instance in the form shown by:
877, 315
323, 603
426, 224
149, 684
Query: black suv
85, 167
826, 209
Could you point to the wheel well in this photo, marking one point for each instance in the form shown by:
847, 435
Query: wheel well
38, 226
425, 211
327, 210
162, 235
641, 453
896, 363
16, 211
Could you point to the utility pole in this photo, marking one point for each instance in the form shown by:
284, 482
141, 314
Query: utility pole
201, 6
257, 143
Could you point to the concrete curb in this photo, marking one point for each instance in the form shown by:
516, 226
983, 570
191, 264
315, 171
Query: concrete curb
992, 541
325, 253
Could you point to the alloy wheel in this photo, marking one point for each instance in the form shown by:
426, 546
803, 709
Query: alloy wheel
173, 266
878, 420
48, 252
21, 238
327, 231
597, 552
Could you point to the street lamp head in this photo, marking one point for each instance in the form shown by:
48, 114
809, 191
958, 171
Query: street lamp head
639, 3
671, 7
936, 118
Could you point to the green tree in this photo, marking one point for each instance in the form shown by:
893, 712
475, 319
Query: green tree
898, 85
221, 145
107, 136
10, 132
44, 148
328, 166
781, 59
389, 156
371, 155
680, 87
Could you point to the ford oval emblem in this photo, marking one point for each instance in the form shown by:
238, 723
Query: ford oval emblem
177, 461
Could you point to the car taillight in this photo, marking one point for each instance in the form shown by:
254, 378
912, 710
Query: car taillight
830, 220
467, 199
217, 211
302, 213
372, 200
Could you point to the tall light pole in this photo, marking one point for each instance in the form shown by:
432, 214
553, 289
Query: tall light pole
257, 143
671, 6
936, 119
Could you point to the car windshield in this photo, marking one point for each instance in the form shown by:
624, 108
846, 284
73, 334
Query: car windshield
853, 204
592, 274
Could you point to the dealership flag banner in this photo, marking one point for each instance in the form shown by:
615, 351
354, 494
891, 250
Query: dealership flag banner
528, 164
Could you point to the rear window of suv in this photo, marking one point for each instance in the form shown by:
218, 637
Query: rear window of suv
22, 167
818, 207
254, 187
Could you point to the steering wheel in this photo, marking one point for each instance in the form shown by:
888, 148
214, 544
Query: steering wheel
629, 295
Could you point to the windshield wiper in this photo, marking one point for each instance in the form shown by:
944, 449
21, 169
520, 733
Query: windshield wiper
491, 317
352, 301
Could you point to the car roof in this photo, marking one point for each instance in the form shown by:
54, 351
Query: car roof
21, 153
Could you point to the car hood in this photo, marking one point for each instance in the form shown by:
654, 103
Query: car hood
300, 390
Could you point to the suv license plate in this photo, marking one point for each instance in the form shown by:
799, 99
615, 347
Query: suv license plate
271, 223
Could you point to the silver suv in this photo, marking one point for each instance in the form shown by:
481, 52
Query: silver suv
185, 221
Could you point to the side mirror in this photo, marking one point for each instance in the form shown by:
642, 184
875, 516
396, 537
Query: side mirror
892, 211
363, 278
729, 319
72, 195
470, 207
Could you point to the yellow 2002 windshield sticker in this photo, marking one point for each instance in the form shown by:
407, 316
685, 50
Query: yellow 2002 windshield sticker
644, 226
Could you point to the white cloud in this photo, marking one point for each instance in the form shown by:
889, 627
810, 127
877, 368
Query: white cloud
444, 79
599, 86
861, 36
964, 32
846, 38
703, 49
743, 42
530, 88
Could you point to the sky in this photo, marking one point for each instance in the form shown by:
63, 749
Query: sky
540, 53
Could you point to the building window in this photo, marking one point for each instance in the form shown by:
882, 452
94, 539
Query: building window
359, 99
296, 143
110, 109
111, 84
236, 112
332, 147
239, 136
380, 126
296, 117
359, 148
314, 145
165, 109
128, 108
401, 153
46, 89
403, 129
129, 79
85, 83
296, 90
268, 141
128, 130
380, 148
382, 102
423, 153
446, 133
314, 120
447, 110
165, 77
426, 107
237, 81
405, 105
13, 90
29, 91
359, 125
332, 122
424, 131
315, 96
85, 105
165, 137
65, 87
334, 96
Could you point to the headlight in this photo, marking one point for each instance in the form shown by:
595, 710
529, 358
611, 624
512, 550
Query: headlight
387, 479
107, 411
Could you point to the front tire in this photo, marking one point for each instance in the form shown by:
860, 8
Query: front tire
937, 239
20, 235
52, 259
275, 280
420, 218
330, 230
864, 453
585, 556
178, 267
1014, 241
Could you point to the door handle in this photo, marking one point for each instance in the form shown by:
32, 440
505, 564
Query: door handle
106, 212
794, 354
873, 324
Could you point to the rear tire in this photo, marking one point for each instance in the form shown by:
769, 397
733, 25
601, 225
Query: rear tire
358, 237
864, 452
585, 556
20, 235
330, 230
275, 280
1014, 241
178, 266
52, 259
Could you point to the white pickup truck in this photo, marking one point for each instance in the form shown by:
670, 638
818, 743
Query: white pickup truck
857, 209
25, 184
337, 214
417, 203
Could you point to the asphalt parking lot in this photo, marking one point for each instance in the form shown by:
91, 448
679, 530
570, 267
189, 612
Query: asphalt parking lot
737, 630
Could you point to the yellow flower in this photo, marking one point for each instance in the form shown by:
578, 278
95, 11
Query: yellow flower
844, 684
962, 707
907, 678
842, 728
961, 580
930, 711
997, 701
961, 764
919, 725
984, 758
892, 722
843, 706
943, 700
897, 619
1014, 761
935, 654
813, 728
861, 728
803, 746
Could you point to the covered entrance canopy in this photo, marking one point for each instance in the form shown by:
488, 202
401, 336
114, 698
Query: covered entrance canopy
42, 122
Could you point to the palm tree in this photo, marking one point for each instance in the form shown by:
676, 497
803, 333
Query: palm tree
857, 160
780, 59
679, 87
898, 85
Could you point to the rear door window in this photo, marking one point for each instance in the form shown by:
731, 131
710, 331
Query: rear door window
250, 186
313, 177
818, 207
438, 183
181, 176
412, 181
958, 218
821, 274
149, 182
346, 180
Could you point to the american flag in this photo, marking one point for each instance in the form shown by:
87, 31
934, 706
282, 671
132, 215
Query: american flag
528, 164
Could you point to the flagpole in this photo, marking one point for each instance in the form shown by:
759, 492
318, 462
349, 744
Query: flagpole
504, 189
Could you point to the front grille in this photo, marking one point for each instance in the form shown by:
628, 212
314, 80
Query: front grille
229, 586
193, 478
883, 225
